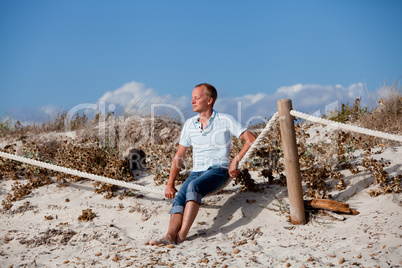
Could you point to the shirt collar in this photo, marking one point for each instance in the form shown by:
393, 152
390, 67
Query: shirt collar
212, 116
211, 119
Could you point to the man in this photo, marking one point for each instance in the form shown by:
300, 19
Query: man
210, 133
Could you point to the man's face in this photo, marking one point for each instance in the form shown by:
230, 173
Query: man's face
200, 101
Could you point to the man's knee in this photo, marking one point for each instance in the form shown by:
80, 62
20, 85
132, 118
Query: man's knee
177, 210
192, 187
193, 196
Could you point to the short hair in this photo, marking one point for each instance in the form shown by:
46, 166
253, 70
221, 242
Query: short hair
210, 91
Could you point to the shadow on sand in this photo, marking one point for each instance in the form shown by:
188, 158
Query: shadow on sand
249, 204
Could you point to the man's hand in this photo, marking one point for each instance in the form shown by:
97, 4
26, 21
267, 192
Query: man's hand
177, 163
233, 170
249, 139
170, 191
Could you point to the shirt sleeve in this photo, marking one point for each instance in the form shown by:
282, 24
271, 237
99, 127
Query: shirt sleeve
235, 127
185, 137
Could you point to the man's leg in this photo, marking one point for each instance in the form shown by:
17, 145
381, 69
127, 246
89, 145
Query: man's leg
208, 182
190, 212
176, 217
174, 227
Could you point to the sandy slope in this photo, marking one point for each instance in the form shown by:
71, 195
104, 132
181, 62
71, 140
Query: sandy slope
227, 223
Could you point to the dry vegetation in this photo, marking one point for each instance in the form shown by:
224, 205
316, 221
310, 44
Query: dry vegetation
322, 162
103, 154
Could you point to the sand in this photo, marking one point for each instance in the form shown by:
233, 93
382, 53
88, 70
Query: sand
232, 229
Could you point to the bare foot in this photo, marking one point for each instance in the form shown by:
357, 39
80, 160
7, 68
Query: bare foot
161, 242
179, 239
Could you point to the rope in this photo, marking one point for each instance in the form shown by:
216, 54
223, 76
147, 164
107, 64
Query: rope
251, 150
259, 139
80, 173
334, 124
123, 183
253, 147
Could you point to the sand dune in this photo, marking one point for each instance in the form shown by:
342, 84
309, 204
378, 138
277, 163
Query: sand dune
47, 228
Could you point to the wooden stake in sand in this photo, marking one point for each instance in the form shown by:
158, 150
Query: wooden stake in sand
292, 166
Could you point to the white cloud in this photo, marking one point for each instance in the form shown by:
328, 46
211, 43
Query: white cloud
50, 110
135, 97
308, 98
130, 96
30, 115
290, 90
356, 90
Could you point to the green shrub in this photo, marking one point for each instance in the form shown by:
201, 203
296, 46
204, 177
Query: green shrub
349, 113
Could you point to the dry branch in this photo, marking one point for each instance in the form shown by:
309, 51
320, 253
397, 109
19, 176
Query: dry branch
330, 205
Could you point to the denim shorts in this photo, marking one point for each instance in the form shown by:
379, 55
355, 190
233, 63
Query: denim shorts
198, 185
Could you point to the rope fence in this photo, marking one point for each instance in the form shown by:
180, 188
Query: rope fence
80, 173
357, 129
259, 139
252, 149
255, 145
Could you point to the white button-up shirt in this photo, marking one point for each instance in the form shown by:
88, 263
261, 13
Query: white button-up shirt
211, 145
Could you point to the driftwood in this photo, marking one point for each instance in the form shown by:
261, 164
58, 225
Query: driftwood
330, 205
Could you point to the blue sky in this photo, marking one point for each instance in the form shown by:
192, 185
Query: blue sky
60, 54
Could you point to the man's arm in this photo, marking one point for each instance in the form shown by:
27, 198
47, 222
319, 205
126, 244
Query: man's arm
177, 163
249, 139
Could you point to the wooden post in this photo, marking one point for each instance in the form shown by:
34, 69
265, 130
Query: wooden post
292, 165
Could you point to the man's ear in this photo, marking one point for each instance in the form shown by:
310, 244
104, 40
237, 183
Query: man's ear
210, 100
